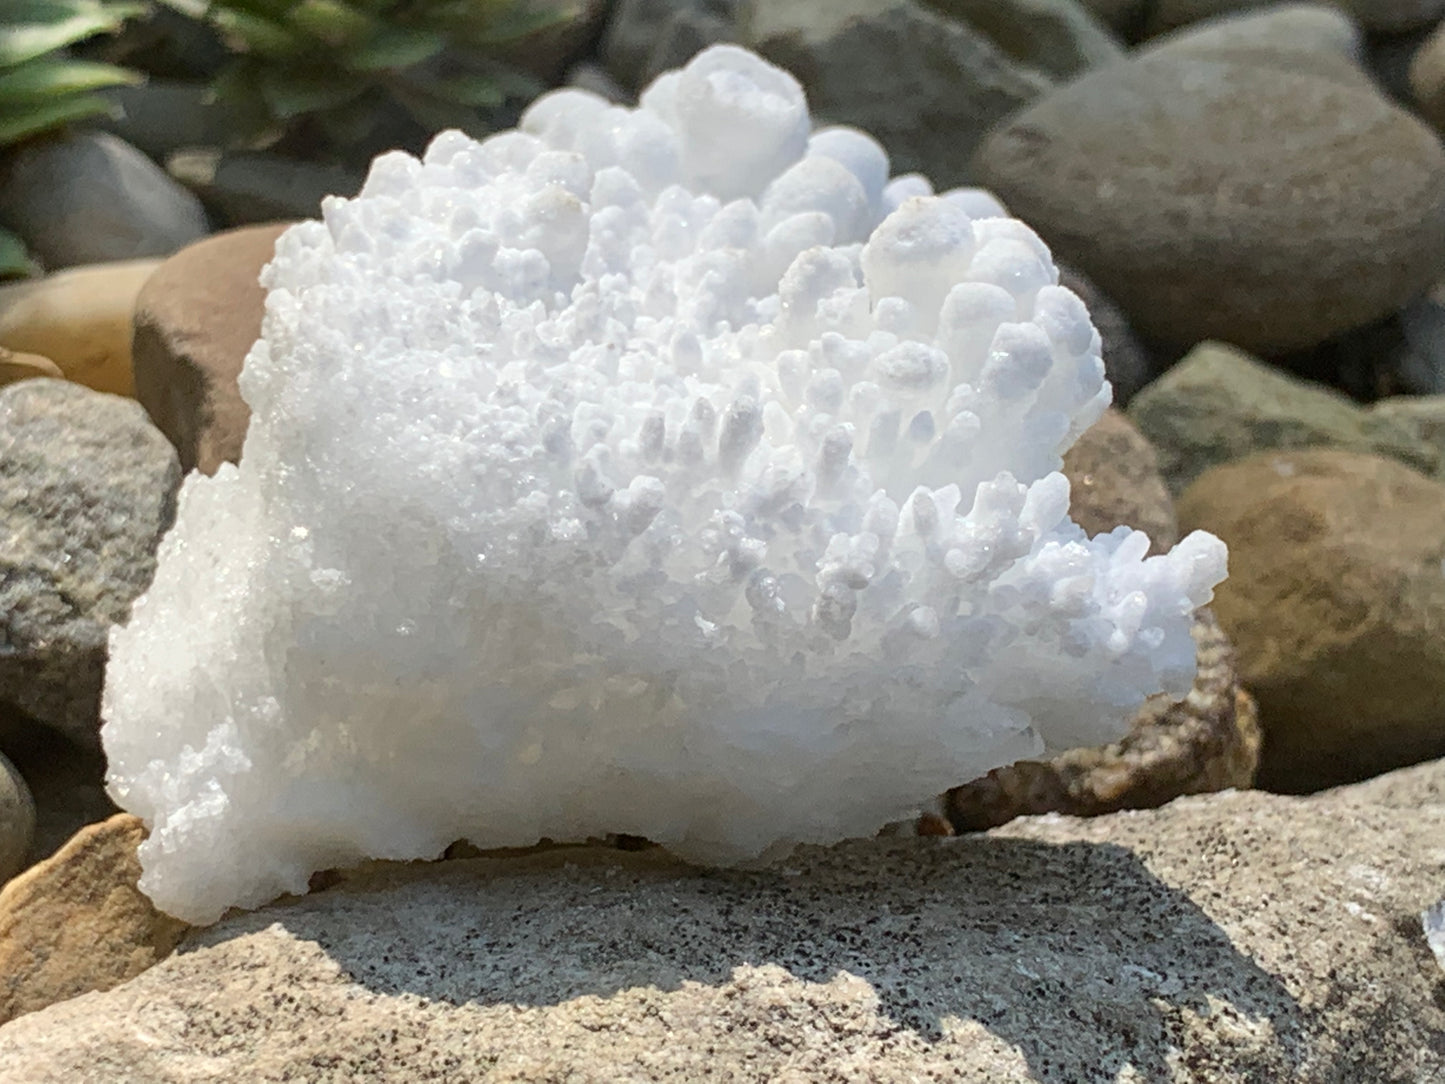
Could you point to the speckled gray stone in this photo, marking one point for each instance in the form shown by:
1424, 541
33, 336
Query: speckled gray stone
87, 487
1238, 937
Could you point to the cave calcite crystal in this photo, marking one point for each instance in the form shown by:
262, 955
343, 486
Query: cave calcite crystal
667, 471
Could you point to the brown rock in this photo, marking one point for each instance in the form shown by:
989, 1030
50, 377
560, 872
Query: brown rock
1113, 473
194, 323
1208, 741
79, 319
76, 922
1335, 602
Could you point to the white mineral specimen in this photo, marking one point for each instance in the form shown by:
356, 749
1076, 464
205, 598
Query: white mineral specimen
665, 471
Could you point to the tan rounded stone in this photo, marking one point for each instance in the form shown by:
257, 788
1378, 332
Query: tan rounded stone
195, 321
76, 922
79, 319
14, 366
1336, 605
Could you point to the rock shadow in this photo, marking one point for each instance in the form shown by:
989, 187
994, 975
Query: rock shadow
1073, 953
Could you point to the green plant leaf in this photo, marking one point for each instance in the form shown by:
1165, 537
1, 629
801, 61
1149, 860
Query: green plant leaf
236, 93
43, 116
510, 20
337, 24
394, 48
437, 114
36, 27
15, 262
38, 80
260, 36
291, 94
478, 91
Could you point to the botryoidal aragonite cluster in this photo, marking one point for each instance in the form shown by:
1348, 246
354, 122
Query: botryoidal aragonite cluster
666, 471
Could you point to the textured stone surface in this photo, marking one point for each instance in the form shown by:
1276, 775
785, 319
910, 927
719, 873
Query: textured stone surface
1335, 602
1060, 38
883, 66
76, 922
1427, 77
1386, 15
1219, 197
242, 189
80, 320
1205, 742
1220, 404
1114, 479
87, 486
89, 197
195, 320
1276, 34
1238, 937
1423, 416
17, 820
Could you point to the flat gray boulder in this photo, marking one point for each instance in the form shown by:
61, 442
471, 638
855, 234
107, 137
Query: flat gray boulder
1235, 937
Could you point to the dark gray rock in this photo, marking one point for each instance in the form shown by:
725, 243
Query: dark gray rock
87, 487
926, 86
17, 820
1128, 364
89, 197
646, 37
1220, 197
1061, 38
161, 116
243, 188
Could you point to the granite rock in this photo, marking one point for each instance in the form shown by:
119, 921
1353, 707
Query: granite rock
1335, 601
925, 86
87, 487
1234, 937
1220, 197
79, 319
89, 197
1220, 404
77, 923
195, 321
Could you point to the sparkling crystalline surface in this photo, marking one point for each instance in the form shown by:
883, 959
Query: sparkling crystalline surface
668, 471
